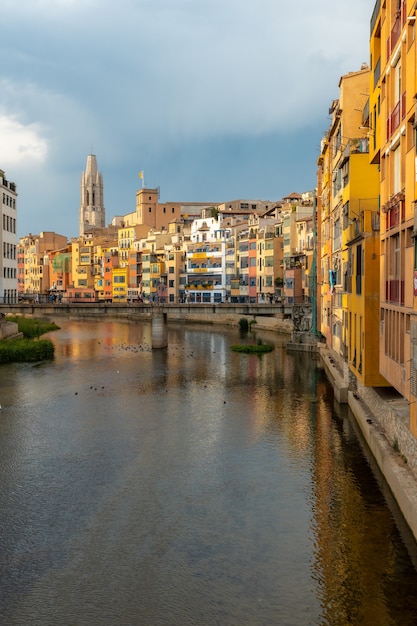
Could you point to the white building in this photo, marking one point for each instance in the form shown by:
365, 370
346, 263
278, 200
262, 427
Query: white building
8, 240
206, 261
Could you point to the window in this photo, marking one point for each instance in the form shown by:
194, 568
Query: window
397, 170
415, 254
359, 269
345, 172
397, 82
396, 246
337, 182
337, 235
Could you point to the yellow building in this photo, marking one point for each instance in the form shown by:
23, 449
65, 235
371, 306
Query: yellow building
361, 263
323, 244
83, 264
102, 268
175, 272
393, 141
119, 284
269, 261
126, 236
347, 180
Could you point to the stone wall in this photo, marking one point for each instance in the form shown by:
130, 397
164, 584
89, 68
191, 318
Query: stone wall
8, 329
392, 415
384, 406
201, 316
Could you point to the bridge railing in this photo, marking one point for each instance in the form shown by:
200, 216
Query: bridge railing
45, 299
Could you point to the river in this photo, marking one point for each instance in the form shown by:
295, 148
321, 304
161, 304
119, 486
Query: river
190, 486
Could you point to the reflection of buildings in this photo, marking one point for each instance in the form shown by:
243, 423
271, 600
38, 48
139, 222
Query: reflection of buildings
352, 528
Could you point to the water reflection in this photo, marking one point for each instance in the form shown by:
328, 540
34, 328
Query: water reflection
191, 485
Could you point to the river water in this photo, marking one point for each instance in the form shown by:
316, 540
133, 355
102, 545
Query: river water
189, 486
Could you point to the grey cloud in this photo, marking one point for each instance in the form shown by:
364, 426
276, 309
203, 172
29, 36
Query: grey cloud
139, 80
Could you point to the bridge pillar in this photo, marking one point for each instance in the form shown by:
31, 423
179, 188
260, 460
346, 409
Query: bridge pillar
159, 328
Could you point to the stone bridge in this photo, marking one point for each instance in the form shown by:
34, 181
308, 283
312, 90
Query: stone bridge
280, 317
145, 309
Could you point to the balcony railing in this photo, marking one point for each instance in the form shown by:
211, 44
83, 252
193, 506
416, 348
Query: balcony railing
397, 114
395, 214
395, 35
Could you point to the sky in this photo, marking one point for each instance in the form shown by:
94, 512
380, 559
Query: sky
214, 100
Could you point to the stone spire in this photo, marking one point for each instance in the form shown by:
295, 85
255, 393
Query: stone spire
92, 211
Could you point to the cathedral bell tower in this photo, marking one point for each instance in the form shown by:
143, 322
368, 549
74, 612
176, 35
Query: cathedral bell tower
92, 211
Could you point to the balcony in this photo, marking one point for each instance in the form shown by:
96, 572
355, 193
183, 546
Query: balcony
395, 35
394, 211
354, 230
396, 116
210, 269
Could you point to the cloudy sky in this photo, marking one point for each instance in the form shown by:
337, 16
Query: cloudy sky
213, 99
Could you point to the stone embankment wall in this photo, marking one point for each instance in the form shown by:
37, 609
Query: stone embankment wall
382, 416
392, 415
8, 330
274, 323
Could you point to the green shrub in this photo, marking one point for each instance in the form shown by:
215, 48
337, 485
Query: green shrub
32, 326
244, 324
250, 348
26, 350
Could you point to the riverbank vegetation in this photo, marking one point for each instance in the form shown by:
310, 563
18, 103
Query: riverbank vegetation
32, 326
252, 348
245, 325
29, 348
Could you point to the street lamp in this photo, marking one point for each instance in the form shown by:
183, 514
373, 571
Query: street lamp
368, 128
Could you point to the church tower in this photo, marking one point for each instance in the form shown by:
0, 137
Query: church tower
92, 211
